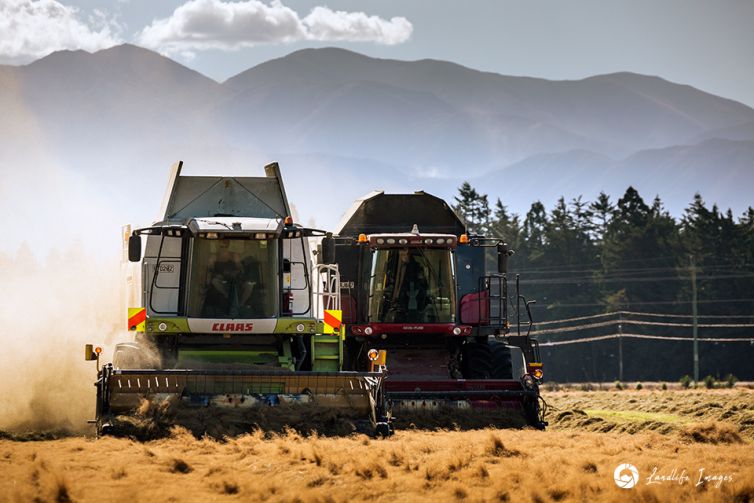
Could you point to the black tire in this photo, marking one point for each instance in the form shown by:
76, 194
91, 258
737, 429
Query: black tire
383, 430
502, 366
476, 360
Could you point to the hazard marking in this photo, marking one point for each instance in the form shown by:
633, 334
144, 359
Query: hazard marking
136, 318
333, 319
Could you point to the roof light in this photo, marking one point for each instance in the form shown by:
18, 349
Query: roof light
211, 235
463, 238
390, 241
441, 241
260, 235
380, 241
362, 238
429, 241
288, 220
403, 241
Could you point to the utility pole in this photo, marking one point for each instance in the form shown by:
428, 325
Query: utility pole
620, 346
694, 322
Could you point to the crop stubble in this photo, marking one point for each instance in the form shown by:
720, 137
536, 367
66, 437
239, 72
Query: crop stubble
573, 460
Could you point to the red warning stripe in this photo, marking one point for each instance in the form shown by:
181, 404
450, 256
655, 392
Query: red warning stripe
134, 320
332, 321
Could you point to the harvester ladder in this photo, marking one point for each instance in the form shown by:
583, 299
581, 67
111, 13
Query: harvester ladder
496, 287
327, 350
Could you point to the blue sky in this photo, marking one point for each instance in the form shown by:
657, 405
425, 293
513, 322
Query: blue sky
707, 44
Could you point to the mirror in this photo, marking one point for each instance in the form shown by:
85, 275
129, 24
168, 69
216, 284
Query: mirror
502, 257
327, 251
89, 354
134, 248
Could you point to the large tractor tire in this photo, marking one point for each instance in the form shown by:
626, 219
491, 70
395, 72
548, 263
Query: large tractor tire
502, 366
476, 360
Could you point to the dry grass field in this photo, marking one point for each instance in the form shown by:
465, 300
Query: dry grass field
679, 435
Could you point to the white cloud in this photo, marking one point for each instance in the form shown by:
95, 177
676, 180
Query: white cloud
217, 24
33, 28
325, 24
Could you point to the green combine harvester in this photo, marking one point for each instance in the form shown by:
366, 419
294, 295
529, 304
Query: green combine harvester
232, 313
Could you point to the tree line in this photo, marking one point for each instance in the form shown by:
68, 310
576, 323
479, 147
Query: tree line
585, 257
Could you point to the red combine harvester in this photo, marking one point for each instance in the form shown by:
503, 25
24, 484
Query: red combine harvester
415, 284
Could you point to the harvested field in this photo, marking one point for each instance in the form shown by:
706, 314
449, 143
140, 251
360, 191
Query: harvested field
652, 410
678, 433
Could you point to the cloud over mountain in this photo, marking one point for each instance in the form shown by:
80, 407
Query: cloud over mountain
30, 29
216, 24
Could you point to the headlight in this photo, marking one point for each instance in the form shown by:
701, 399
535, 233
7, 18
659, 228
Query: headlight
300, 327
372, 354
368, 330
528, 382
457, 331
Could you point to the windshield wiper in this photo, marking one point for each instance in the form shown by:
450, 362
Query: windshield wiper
215, 222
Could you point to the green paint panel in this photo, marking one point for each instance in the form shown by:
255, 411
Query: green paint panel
327, 353
290, 326
172, 325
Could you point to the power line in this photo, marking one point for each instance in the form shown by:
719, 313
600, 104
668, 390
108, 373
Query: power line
642, 336
667, 315
592, 280
624, 321
579, 318
637, 313
598, 263
647, 303
621, 270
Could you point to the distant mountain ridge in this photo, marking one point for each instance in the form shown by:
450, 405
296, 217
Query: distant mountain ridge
419, 124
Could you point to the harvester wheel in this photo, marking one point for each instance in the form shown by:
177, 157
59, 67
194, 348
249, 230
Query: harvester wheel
502, 367
383, 429
476, 360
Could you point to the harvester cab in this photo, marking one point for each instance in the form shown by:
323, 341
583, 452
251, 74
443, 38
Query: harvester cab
415, 284
229, 313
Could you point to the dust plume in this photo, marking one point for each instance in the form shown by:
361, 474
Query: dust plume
59, 277
50, 309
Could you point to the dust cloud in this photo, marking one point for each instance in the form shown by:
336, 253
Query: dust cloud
60, 281
50, 309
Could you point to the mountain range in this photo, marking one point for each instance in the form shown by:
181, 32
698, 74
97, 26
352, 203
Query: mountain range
342, 123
